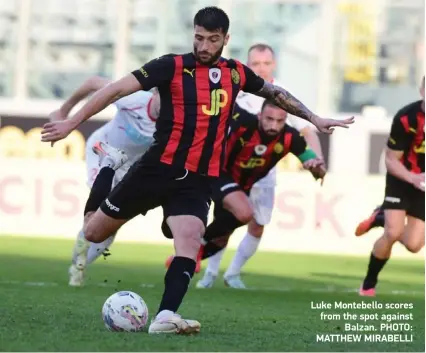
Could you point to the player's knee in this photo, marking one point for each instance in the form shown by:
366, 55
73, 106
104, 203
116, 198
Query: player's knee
413, 241
414, 246
91, 233
255, 229
393, 233
187, 236
244, 214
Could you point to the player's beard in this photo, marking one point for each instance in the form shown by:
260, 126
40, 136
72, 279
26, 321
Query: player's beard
271, 133
212, 57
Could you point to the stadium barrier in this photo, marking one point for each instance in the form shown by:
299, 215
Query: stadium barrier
47, 198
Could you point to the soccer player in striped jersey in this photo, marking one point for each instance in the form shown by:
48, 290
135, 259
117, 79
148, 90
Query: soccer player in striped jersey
404, 204
198, 92
255, 145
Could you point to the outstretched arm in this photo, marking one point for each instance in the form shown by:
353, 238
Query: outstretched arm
89, 86
153, 74
55, 131
285, 100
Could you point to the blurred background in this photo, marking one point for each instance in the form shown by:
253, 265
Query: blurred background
362, 58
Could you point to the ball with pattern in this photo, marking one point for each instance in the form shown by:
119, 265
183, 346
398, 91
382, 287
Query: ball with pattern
125, 311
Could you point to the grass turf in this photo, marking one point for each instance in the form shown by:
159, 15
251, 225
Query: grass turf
41, 313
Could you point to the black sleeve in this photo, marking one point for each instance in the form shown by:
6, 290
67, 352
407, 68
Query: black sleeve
241, 117
298, 143
253, 82
399, 138
156, 72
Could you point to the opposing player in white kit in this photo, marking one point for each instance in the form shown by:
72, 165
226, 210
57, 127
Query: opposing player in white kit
119, 142
261, 59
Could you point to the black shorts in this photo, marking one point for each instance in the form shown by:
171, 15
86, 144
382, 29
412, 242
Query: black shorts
400, 195
149, 185
222, 186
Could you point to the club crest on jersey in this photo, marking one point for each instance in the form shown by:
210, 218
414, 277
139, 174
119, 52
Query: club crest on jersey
260, 149
278, 148
235, 76
214, 75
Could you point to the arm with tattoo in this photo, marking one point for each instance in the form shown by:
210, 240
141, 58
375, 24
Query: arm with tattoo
285, 100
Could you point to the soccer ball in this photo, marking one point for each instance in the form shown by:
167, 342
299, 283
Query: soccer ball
125, 311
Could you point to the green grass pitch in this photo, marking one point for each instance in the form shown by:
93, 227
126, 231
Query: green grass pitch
39, 312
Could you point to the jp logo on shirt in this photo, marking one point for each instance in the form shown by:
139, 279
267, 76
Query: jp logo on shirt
214, 75
260, 149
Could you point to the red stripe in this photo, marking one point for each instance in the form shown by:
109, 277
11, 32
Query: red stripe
240, 69
176, 88
202, 123
287, 142
405, 124
413, 157
224, 120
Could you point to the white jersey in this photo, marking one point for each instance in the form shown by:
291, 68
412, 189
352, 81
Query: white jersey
253, 104
131, 130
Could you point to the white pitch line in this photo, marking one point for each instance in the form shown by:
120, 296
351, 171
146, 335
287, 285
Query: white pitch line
328, 289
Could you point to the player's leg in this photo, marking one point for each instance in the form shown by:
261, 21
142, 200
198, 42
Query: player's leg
185, 212
214, 251
414, 234
376, 219
110, 159
102, 161
237, 208
395, 208
262, 199
394, 229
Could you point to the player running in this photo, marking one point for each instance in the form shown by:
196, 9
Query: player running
198, 92
130, 131
404, 203
261, 59
255, 145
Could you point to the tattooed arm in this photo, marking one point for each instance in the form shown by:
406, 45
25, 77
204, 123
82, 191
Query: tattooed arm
285, 100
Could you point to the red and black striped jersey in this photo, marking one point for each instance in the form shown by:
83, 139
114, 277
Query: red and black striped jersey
251, 154
408, 135
196, 108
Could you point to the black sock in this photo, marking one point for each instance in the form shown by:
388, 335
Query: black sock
210, 249
100, 189
222, 226
379, 220
176, 283
374, 267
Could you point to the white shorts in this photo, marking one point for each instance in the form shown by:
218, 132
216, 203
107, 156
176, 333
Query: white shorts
262, 199
92, 160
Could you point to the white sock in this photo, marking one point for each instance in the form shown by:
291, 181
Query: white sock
96, 249
246, 250
80, 235
214, 263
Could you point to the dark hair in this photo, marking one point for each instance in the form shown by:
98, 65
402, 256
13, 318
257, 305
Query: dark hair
268, 102
212, 19
261, 47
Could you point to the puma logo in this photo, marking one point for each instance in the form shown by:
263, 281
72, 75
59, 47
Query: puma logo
242, 141
189, 72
